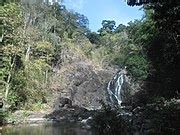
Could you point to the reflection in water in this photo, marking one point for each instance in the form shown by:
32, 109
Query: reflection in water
47, 129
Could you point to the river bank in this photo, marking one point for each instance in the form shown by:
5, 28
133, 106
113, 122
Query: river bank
72, 114
161, 118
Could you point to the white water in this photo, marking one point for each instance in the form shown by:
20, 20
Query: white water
115, 87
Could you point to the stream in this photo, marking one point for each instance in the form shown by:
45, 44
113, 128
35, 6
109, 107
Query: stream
46, 129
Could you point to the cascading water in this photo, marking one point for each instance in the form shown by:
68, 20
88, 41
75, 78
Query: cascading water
117, 88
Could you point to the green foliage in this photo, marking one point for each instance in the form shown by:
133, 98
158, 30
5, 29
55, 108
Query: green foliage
108, 26
38, 106
3, 116
32, 33
94, 38
16, 74
124, 46
138, 67
44, 51
12, 16
39, 37
120, 28
11, 20
37, 78
101, 56
163, 50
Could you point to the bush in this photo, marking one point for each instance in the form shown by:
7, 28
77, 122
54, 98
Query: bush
138, 67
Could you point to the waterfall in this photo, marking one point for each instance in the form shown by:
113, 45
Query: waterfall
116, 88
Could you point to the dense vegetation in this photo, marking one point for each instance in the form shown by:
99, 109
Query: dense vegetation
35, 35
162, 48
158, 35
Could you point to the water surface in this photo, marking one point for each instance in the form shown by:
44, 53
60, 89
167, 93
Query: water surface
46, 129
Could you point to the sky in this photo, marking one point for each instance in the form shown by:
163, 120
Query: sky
98, 10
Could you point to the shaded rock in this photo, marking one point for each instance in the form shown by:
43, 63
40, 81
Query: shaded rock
62, 102
73, 114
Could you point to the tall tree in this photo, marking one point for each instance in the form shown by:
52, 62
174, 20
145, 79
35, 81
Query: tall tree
108, 26
10, 46
163, 50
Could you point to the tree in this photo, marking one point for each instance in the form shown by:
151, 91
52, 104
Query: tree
108, 26
94, 38
163, 48
10, 45
33, 34
82, 21
120, 28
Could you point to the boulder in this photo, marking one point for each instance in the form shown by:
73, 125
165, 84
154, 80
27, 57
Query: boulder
62, 102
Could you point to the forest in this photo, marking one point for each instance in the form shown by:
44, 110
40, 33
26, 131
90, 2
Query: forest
39, 41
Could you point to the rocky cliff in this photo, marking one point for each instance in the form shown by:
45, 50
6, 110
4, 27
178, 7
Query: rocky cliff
80, 81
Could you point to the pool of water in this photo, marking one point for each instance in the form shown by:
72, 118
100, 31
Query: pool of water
46, 129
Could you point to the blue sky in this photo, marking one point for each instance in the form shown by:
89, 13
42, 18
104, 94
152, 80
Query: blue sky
98, 10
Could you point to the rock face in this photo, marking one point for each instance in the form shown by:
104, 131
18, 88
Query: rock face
80, 82
62, 102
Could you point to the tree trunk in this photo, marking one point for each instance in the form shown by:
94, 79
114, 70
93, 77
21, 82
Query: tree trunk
8, 79
27, 53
